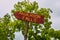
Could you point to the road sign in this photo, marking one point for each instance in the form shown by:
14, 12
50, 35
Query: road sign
31, 17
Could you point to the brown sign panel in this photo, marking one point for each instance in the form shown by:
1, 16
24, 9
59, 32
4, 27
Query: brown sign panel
29, 17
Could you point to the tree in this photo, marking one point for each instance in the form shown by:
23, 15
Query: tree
35, 31
5, 32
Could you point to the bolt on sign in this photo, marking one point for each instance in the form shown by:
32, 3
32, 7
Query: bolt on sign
29, 17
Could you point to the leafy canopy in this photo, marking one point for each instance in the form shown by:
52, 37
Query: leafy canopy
35, 31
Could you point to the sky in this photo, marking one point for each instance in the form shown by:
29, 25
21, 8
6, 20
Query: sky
7, 5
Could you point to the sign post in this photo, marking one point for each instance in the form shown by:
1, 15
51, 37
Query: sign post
26, 30
29, 17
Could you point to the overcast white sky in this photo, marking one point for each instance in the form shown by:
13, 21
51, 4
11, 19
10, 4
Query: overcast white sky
7, 5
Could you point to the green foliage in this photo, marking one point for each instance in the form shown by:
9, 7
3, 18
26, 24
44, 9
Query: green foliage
25, 7
5, 31
35, 31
